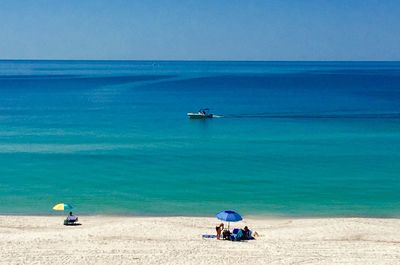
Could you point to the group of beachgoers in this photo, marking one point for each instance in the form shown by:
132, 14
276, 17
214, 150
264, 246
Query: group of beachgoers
237, 234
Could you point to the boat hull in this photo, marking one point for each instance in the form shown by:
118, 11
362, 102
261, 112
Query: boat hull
199, 116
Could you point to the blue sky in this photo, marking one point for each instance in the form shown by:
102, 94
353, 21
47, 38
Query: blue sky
202, 30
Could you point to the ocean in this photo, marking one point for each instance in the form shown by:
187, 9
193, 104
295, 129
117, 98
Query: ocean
113, 137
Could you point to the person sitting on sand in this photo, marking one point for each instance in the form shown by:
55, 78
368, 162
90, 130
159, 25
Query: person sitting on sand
72, 218
247, 233
226, 234
219, 229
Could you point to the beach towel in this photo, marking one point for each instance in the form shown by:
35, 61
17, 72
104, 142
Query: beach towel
209, 236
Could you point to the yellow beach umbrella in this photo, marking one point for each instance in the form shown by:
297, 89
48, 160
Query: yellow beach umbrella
62, 207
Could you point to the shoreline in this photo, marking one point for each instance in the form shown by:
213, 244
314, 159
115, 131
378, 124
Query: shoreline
255, 217
178, 240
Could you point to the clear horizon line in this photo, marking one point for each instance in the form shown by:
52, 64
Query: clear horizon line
195, 60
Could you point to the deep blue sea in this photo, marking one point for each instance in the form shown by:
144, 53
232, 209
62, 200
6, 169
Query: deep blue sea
112, 137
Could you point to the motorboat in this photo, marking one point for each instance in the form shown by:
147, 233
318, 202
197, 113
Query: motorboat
201, 114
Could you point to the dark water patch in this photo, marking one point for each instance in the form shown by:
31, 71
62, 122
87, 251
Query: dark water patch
374, 72
36, 77
304, 82
42, 81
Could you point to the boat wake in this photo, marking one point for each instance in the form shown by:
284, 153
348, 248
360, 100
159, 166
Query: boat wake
326, 115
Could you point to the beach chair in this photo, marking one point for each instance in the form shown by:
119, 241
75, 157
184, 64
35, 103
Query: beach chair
71, 220
236, 235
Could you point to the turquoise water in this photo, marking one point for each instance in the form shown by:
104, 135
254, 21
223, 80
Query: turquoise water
296, 138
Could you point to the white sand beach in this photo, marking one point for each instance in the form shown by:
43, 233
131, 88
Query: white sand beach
177, 240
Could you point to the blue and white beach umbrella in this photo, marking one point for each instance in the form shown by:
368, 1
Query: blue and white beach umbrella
229, 216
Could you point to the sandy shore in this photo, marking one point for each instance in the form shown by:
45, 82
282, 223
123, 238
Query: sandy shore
177, 240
